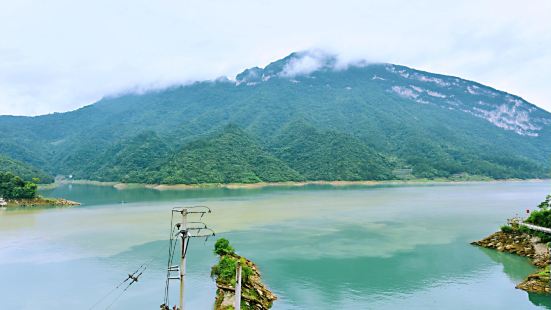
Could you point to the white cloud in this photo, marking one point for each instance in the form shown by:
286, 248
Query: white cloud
62, 54
309, 62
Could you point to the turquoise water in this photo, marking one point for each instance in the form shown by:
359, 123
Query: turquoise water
318, 247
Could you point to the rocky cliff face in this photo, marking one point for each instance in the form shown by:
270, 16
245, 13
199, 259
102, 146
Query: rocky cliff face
524, 245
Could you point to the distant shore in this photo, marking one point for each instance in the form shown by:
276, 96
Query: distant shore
120, 185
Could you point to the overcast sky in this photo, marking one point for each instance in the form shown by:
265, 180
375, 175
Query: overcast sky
58, 55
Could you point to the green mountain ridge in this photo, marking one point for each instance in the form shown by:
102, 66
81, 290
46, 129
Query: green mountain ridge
359, 122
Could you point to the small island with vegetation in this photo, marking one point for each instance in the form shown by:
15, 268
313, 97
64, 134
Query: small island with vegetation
254, 293
521, 240
16, 192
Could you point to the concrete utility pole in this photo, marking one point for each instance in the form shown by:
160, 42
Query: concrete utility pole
237, 305
185, 230
184, 237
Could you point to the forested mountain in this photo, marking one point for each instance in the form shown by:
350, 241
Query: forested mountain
24, 171
303, 117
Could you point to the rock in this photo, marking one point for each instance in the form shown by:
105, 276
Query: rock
254, 294
537, 282
524, 245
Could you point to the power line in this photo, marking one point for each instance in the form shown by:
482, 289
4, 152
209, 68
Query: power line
134, 280
131, 276
184, 231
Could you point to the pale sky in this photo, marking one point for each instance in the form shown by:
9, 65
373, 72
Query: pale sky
59, 55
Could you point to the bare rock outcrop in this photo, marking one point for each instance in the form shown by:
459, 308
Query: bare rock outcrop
523, 244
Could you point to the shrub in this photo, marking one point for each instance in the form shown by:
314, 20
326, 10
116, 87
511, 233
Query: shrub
223, 247
225, 270
546, 204
507, 229
540, 218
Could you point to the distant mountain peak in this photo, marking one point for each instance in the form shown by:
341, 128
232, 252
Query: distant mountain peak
503, 110
296, 64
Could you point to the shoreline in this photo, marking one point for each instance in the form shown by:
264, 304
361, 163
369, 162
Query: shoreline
41, 202
524, 245
161, 187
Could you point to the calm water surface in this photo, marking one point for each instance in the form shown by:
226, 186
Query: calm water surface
318, 247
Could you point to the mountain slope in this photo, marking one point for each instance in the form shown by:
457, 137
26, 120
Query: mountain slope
330, 155
24, 171
434, 124
126, 161
228, 157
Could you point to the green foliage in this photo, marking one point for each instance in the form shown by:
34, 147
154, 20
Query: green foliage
546, 204
230, 156
223, 247
25, 171
545, 272
224, 271
135, 160
541, 218
13, 187
246, 271
330, 155
507, 229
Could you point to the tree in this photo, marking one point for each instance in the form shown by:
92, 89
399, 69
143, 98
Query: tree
223, 247
546, 203
13, 187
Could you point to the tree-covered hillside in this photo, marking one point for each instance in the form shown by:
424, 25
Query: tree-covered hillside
330, 155
332, 122
25, 171
228, 157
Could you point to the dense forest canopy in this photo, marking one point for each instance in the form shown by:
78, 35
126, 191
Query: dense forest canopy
365, 122
13, 187
25, 171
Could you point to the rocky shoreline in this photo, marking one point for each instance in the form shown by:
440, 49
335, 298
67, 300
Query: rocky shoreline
523, 244
41, 202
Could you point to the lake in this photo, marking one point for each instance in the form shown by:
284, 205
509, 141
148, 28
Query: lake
318, 247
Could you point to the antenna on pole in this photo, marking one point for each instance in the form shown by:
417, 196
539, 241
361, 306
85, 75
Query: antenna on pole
185, 230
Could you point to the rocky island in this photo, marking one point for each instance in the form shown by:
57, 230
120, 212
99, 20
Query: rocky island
519, 240
39, 202
254, 294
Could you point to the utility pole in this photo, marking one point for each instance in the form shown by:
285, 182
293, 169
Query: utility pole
185, 230
237, 305
184, 237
